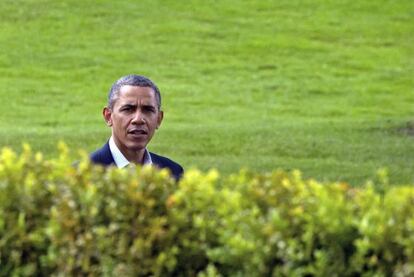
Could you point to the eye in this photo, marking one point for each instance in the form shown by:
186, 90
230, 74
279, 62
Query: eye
149, 109
126, 108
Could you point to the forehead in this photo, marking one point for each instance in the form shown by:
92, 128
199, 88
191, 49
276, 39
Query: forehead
134, 94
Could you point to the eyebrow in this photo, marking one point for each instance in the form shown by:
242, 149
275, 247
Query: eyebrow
135, 106
127, 105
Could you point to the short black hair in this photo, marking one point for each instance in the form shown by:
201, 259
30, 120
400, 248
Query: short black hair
132, 80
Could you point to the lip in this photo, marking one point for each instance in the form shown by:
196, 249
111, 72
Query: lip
137, 132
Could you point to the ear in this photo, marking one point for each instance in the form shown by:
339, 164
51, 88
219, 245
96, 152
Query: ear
160, 117
107, 114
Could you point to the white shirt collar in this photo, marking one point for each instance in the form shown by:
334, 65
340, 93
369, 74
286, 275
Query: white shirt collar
120, 159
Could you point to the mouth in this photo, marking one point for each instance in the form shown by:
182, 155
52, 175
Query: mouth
137, 132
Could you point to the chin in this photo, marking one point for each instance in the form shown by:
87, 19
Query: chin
137, 146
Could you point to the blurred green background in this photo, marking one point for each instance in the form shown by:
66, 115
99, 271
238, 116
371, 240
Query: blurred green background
322, 86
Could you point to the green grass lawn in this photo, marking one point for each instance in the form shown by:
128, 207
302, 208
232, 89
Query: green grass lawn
326, 87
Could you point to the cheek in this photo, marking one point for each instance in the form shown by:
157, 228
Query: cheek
118, 125
121, 122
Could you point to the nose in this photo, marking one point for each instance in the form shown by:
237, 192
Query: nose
138, 118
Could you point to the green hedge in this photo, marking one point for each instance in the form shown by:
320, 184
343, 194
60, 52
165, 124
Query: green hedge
60, 219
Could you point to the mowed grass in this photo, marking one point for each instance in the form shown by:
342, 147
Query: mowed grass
326, 87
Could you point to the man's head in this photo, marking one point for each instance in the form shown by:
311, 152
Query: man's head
133, 113
132, 80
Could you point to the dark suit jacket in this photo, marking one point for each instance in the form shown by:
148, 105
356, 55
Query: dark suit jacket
104, 157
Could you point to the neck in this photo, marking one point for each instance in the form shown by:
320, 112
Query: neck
136, 157
133, 156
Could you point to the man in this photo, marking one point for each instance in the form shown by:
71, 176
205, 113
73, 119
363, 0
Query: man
133, 113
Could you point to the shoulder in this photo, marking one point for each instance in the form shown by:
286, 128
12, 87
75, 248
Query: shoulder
102, 156
164, 162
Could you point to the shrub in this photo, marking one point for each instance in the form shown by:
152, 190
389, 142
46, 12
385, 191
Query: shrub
61, 219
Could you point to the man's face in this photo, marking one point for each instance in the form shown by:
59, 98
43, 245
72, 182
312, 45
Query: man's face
133, 118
